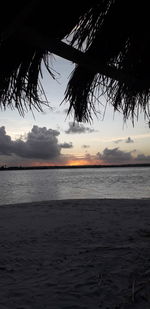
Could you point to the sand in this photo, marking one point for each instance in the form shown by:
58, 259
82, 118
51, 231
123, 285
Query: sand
75, 254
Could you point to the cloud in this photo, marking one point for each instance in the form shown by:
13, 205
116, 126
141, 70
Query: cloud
129, 140
40, 143
78, 128
141, 158
85, 146
118, 141
41, 147
115, 156
66, 145
5, 142
89, 158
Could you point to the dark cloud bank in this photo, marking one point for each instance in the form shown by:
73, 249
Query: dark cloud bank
41, 143
117, 156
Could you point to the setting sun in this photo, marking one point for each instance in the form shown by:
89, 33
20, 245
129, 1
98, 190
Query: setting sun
78, 162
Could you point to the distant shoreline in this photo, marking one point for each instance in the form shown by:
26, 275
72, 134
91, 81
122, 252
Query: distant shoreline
10, 168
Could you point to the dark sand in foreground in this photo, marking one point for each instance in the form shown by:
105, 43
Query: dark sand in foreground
75, 254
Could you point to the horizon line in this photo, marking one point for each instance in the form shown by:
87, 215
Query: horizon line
4, 167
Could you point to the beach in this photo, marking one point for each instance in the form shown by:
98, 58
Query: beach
75, 254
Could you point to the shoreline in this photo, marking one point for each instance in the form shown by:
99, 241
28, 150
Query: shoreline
70, 200
21, 168
75, 254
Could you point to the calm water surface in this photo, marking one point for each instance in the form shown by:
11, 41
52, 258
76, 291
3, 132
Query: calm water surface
42, 185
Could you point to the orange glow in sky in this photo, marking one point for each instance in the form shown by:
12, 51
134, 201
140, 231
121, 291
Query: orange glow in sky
73, 162
82, 162
78, 162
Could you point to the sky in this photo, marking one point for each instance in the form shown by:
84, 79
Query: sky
52, 137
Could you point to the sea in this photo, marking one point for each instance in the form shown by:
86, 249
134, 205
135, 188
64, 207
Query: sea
21, 186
